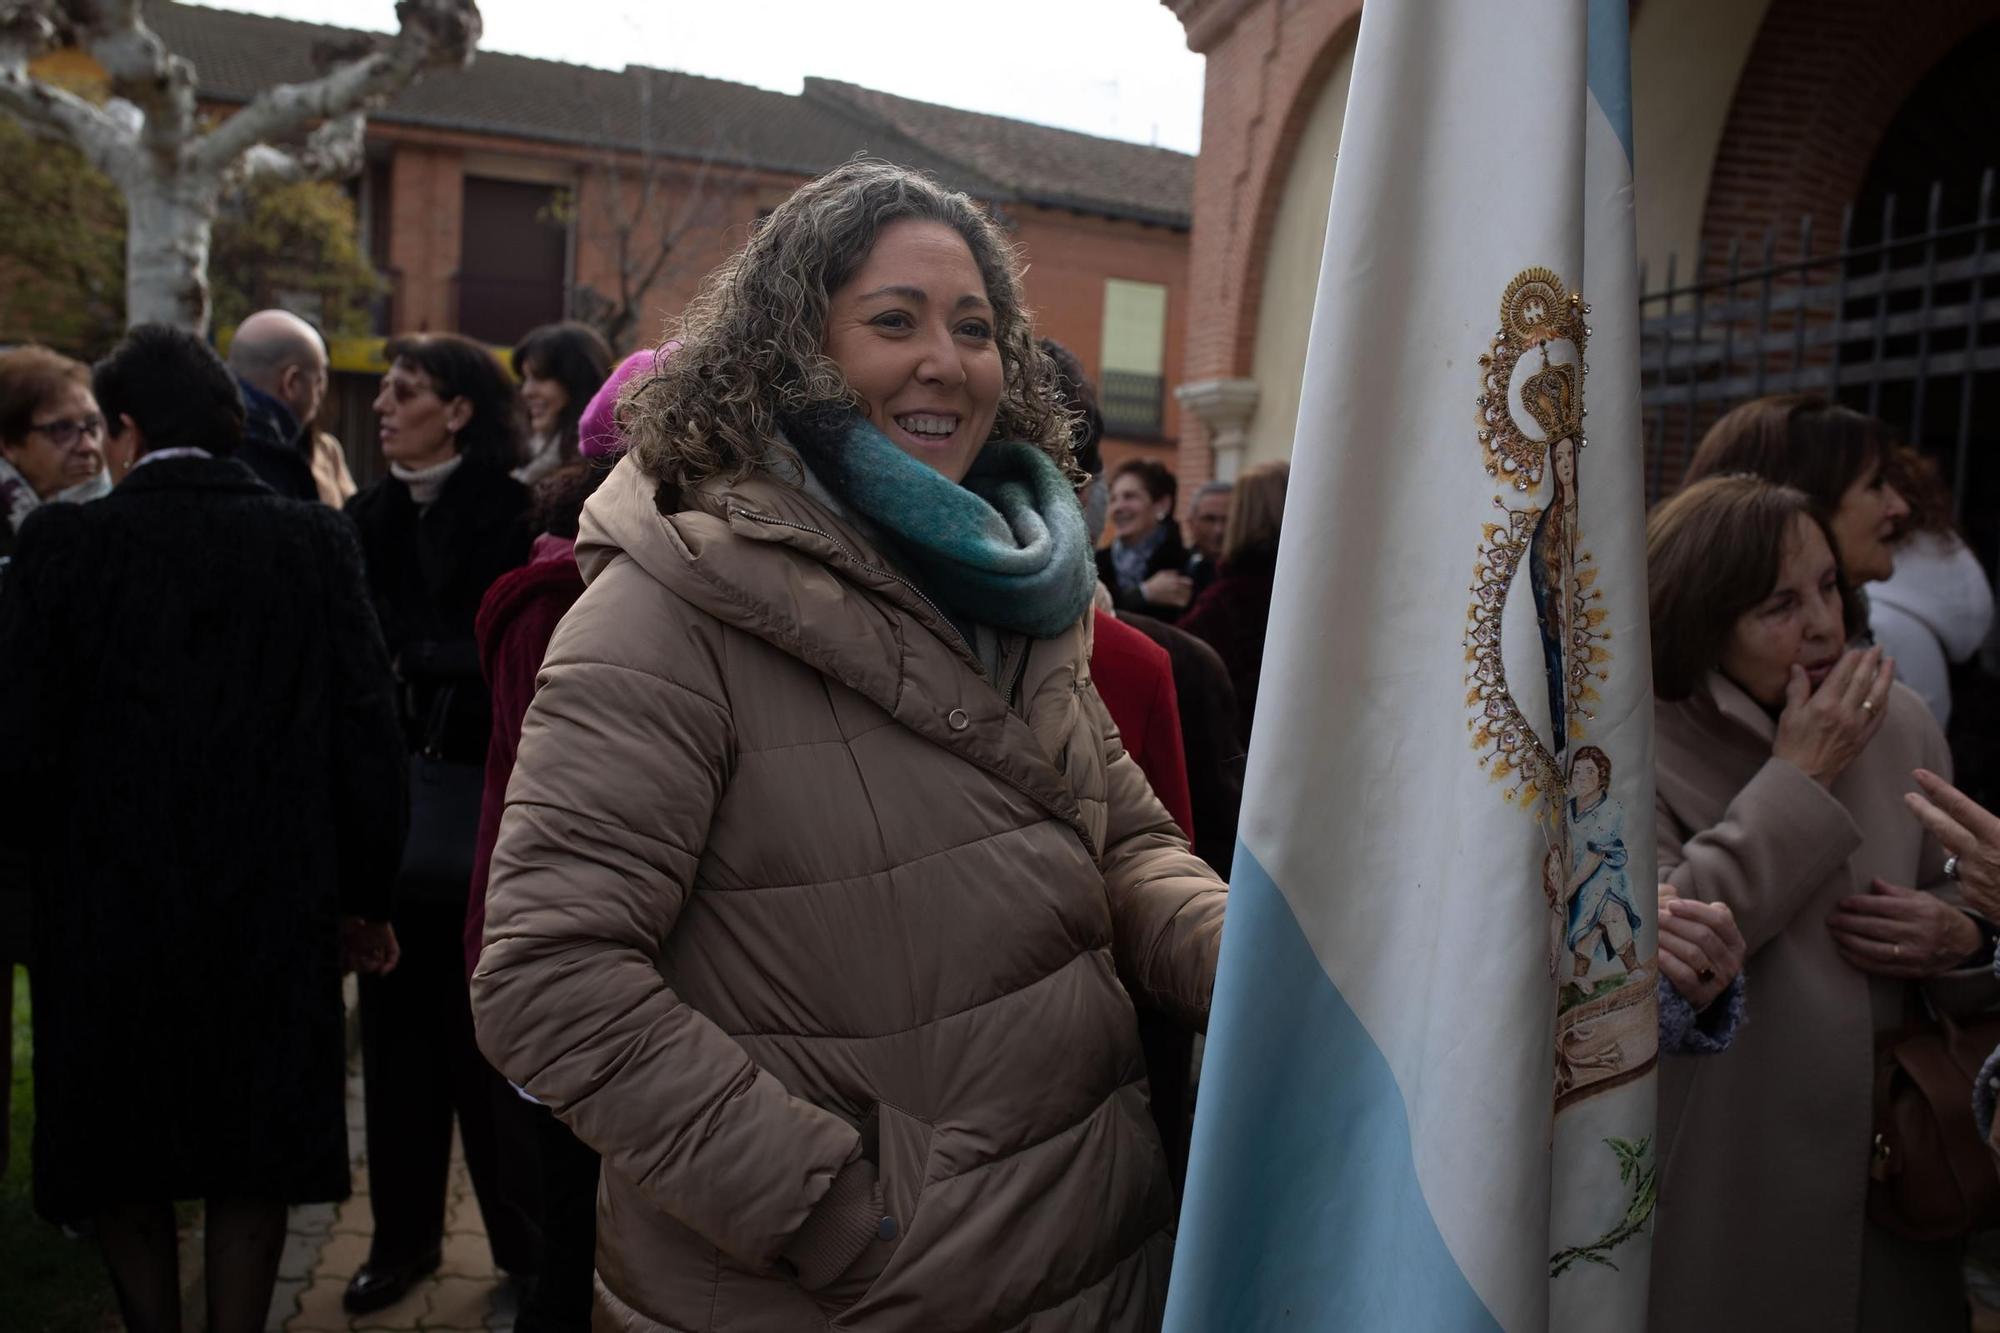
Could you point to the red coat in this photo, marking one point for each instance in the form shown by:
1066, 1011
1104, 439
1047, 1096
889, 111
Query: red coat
1135, 677
516, 620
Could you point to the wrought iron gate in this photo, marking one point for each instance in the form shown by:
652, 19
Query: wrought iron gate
1905, 327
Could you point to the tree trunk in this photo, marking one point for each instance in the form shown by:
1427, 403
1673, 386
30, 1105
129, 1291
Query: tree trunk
166, 251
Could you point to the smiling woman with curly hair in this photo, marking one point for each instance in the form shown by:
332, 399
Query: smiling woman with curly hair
823, 865
753, 355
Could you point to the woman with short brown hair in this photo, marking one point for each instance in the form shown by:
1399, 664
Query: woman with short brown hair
1782, 759
1145, 567
1835, 456
51, 436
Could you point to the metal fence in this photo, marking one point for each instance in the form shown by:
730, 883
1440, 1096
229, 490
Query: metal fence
1902, 327
1134, 405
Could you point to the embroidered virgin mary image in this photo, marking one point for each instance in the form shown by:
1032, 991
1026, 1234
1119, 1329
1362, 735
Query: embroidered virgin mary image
1551, 570
1532, 443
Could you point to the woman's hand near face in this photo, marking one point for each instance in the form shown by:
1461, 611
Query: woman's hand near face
1169, 587
1893, 931
1701, 950
1967, 831
1821, 731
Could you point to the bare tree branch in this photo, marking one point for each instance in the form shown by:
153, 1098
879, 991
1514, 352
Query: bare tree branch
141, 68
104, 138
26, 28
644, 227
434, 34
332, 150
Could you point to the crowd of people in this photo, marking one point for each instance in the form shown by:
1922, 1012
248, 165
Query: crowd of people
784, 834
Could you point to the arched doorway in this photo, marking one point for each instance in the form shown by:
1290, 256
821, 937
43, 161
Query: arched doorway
1946, 132
1824, 82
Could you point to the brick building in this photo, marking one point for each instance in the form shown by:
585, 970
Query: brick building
1749, 115
520, 191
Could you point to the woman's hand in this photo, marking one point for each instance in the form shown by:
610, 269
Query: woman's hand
1893, 931
1169, 587
1701, 950
1968, 832
1821, 731
368, 946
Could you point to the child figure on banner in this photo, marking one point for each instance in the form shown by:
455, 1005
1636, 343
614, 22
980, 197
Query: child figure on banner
1601, 914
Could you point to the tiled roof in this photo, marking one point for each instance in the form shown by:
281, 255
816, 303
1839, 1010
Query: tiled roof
236, 55
1039, 164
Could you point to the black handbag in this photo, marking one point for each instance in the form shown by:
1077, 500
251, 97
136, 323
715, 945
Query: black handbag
445, 798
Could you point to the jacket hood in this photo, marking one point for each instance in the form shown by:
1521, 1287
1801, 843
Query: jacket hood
765, 558
1940, 582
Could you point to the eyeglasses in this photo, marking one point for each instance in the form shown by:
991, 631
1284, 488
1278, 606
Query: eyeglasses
65, 432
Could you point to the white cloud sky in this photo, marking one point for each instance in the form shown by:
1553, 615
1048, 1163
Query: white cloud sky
1118, 68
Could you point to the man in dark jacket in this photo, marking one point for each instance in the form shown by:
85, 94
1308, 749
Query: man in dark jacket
207, 800
281, 369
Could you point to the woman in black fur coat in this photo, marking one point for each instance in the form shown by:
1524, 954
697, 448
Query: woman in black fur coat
206, 779
437, 531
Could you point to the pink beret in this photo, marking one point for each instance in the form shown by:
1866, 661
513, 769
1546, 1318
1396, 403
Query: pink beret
597, 433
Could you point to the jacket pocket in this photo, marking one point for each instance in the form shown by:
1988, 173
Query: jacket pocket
900, 1146
903, 1158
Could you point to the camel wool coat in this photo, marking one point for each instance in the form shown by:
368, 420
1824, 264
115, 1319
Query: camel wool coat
823, 940
1764, 1148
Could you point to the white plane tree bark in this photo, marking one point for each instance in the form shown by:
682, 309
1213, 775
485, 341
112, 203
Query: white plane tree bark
171, 166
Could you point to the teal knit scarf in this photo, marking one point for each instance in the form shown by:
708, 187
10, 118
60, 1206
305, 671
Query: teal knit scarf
1006, 549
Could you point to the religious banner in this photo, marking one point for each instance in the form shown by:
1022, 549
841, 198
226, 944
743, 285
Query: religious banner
1428, 1095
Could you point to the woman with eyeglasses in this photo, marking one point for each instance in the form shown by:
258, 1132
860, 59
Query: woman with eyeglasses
51, 436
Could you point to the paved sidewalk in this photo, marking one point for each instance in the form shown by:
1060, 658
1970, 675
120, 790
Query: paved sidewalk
328, 1242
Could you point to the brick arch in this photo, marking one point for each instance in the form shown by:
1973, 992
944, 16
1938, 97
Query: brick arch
1268, 61
1823, 82
1334, 43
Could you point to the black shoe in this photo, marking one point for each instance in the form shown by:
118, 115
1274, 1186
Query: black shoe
380, 1285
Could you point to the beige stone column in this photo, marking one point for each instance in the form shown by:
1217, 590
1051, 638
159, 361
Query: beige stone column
1224, 408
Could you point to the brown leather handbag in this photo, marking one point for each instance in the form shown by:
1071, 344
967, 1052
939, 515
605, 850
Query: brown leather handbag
1931, 1176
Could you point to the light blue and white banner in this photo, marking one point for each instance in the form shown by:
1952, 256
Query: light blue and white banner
1428, 1096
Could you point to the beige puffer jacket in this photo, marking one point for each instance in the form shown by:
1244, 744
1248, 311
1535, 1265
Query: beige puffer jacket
817, 937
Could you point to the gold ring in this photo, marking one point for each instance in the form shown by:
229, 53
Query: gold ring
1867, 705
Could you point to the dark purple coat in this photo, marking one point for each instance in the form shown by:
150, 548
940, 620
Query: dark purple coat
1231, 616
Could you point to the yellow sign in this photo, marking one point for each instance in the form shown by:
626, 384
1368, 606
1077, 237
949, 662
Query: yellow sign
362, 356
